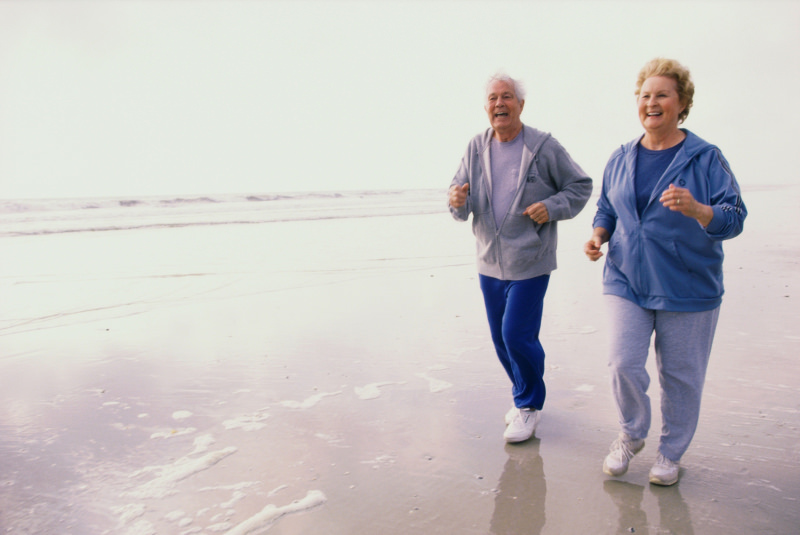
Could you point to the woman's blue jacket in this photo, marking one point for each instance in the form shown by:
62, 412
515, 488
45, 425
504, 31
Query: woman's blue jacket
663, 260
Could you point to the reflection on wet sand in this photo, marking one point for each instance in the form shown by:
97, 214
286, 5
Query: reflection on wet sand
628, 499
521, 492
673, 511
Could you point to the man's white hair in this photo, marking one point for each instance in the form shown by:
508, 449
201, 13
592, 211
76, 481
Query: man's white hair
519, 89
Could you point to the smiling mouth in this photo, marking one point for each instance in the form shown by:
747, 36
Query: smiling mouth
654, 114
501, 114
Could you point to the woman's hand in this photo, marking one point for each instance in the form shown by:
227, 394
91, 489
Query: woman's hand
681, 200
592, 247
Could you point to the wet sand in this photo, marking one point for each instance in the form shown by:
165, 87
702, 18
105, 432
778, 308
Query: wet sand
337, 377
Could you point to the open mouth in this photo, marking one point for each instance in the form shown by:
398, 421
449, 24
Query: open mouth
501, 114
654, 114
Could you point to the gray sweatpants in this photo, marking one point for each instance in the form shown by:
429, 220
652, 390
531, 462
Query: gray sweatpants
683, 345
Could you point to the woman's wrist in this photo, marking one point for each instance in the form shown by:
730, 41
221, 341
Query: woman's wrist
705, 214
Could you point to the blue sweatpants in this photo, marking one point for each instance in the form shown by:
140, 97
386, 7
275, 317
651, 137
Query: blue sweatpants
683, 346
514, 310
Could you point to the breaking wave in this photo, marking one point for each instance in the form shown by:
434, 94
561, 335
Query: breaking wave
54, 216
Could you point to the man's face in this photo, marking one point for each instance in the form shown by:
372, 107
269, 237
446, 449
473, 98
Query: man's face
503, 107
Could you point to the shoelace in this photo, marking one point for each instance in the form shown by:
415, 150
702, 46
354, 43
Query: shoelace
663, 462
622, 447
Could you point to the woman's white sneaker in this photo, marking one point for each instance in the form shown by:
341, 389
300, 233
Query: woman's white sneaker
664, 472
622, 451
522, 426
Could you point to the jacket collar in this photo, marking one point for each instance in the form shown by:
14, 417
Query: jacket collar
532, 138
692, 146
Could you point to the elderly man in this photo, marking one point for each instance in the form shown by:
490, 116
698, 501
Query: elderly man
517, 182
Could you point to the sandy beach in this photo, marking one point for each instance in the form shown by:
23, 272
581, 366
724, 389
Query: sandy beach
336, 376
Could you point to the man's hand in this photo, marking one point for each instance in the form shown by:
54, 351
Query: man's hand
458, 195
537, 212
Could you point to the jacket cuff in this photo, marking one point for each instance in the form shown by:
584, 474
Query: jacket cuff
717, 223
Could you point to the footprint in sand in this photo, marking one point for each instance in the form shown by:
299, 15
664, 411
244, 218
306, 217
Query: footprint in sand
435, 385
371, 391
308, 402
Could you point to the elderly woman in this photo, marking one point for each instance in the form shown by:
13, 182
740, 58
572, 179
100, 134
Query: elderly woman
668, 200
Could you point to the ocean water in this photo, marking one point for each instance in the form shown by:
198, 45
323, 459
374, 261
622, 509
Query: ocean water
52, 216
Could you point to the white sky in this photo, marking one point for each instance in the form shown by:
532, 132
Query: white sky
137, 97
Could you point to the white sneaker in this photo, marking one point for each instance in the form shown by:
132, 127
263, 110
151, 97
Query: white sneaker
522, 426
622, 451
664, 472
511, 414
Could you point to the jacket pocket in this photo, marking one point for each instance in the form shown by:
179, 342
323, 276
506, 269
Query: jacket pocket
620, 267
522, 232
671, 269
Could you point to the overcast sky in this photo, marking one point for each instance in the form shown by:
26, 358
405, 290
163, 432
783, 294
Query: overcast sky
135, 97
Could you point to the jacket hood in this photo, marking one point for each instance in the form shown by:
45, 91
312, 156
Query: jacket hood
692, 145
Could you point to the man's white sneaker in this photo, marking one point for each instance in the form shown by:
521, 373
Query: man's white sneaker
622, 451
512, 412
664, 472
522, 426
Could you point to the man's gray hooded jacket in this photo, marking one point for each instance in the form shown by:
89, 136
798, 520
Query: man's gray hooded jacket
520, 248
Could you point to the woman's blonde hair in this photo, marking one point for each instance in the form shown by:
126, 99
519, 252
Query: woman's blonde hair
671, 69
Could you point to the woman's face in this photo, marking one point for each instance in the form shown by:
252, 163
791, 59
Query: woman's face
659, 105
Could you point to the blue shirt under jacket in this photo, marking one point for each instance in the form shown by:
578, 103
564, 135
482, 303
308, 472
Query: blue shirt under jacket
663, 260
